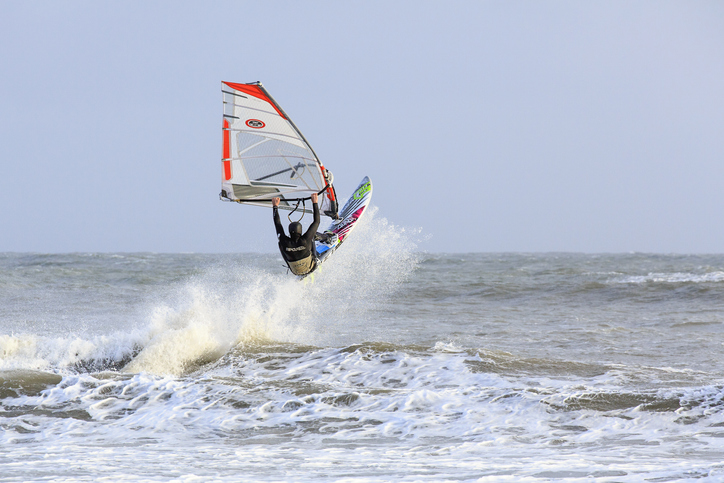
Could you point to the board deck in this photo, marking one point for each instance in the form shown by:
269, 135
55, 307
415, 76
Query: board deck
349, 215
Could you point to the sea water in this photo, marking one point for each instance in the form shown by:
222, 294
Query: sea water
392, 365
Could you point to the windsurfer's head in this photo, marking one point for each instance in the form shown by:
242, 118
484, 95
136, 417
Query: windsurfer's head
295, 230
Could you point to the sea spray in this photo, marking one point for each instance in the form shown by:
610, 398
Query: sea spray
72, 353
234, 304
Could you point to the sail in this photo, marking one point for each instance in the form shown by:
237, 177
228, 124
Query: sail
264, 155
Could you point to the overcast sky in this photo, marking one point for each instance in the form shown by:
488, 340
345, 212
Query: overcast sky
491, 126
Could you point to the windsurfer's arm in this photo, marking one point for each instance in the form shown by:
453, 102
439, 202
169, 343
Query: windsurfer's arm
277, 222
315, 224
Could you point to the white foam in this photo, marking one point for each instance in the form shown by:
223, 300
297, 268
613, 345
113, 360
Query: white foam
677, 277
37, 352
386, 413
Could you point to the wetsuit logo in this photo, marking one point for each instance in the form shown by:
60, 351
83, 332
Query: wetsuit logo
362, 190
255, 123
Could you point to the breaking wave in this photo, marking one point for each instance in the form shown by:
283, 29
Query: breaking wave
711, 277
200, 319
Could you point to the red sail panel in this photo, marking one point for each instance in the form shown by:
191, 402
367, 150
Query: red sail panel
255, 91
226, 154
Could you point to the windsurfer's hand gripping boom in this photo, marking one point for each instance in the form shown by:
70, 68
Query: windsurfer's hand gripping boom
276, 201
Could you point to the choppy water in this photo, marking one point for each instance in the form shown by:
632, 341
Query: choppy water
392, 365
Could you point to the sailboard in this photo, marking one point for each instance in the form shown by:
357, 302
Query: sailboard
338, 231
264, 155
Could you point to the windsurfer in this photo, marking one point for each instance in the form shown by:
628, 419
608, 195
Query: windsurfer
298, 249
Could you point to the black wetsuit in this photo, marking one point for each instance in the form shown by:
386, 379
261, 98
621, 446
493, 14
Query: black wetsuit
301, 256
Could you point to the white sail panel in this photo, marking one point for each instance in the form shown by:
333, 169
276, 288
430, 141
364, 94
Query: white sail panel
264, 155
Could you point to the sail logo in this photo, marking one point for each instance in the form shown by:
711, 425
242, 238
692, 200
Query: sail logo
255, 123
362, 190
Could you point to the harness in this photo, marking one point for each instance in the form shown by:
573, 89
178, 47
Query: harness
303, 266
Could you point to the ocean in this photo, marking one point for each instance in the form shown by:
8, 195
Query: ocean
391, 365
